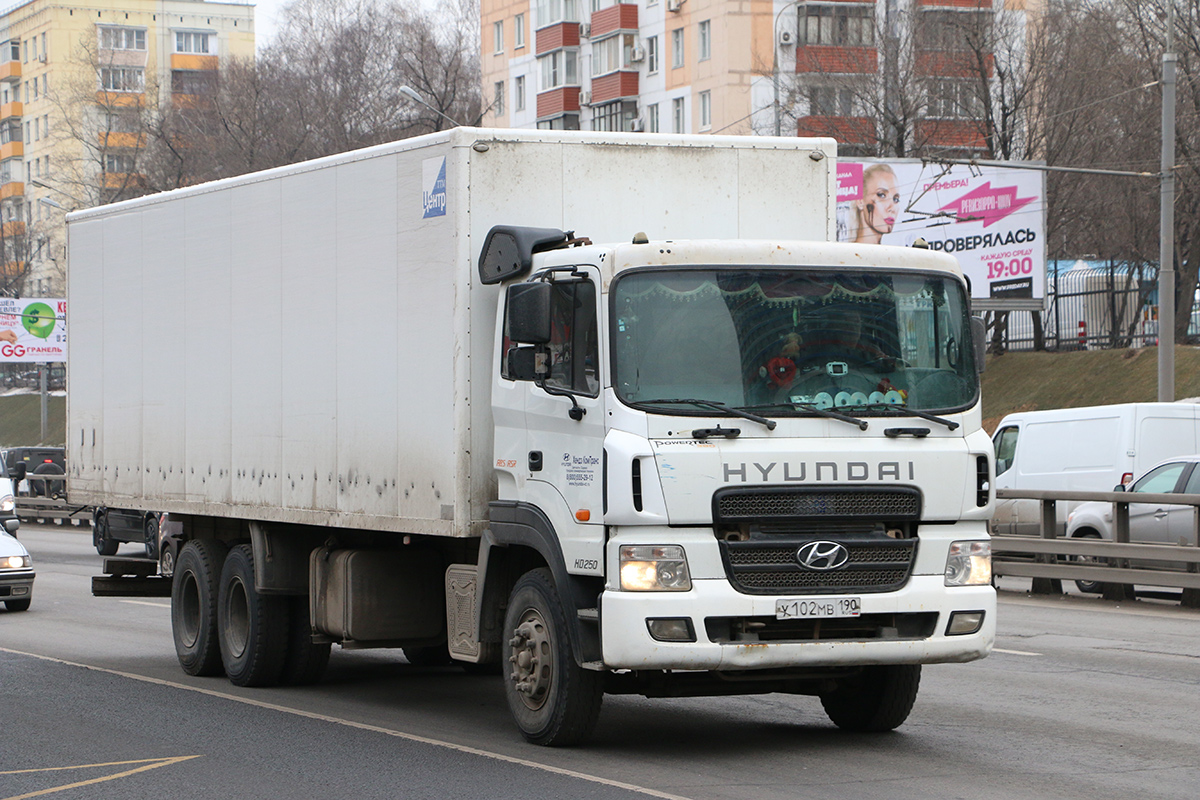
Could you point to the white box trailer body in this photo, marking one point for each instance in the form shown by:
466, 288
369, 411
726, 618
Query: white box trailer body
311, 345
1085, 449
392, 383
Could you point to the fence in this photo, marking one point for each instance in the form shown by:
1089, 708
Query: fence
45, 499
1118, 564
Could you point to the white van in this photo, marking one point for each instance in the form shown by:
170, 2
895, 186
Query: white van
1089, 449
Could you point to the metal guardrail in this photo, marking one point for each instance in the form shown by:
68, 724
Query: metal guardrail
45, 498
1050, 559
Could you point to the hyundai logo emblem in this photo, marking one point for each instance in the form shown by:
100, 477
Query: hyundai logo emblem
823, 555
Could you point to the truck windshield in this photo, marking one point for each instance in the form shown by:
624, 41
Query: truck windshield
788, 340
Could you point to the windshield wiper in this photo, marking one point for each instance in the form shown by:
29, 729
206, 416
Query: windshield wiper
904, 411
737, 412
822, 412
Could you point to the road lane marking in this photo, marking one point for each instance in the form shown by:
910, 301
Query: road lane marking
1014, 652
145, 603
147, 764
411, 737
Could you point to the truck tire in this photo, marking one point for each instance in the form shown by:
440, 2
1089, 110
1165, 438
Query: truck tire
880, 699
150, 534
306, 660
194, 606
105, 545
18, 605
554, 701
251, 627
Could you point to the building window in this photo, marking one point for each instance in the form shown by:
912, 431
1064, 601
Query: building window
116, 162
705, 110
498, 37
560, 68
618, 116
10, 132
519, 31
35, 88
549, 12
678, 122
677, 48
45, 52
705, 44
566, 122
45, 84
652, 55
828, 101
612, 54
34, 45
193, 81
46, 126
519, 92
498, 99
122, 79
189, 42
652, 118
954, 30
949, 98
15, 50
122, 38
844, 25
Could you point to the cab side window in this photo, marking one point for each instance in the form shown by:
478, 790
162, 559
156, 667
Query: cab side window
1006, 449
574, 353
1160, 480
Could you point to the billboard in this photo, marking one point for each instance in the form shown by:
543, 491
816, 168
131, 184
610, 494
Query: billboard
33, 329
990, 218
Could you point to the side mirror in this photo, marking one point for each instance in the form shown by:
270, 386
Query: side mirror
523, 363
17, 471
979, 340
528, 310
1120, 487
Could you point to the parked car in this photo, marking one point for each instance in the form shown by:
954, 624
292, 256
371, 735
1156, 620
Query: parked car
16, 574
1159, 523
112, 526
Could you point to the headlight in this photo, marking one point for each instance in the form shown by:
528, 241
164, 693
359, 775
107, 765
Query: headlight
7, 503
654, 568
969, 564
16, 562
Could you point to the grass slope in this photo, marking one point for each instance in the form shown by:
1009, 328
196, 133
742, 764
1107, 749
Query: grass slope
1030, 381
21, 420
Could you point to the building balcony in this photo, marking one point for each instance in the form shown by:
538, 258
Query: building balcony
12, 229
120, 99
557, 36
13, 109
851, 130
189, 62
14, 269
122, 180
621, 17
987, 4
614, 86
953, 64
127, 141
10, 71
831, 60
12, 150
556, 101
12, 189
192, 102
960, 134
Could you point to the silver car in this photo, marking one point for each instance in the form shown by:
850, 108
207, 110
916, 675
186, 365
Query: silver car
16, 574
1160, 523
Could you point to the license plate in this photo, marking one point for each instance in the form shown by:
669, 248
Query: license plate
818, 608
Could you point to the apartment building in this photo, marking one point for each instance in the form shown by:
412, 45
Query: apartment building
826, 67
76, 81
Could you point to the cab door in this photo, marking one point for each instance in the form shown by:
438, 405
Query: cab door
1005, 514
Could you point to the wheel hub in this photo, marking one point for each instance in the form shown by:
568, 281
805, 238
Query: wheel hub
531, 659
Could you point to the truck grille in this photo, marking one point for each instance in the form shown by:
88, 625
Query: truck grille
757, 567
768, 504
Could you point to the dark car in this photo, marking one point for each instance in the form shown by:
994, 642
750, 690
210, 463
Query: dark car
39, 461
111, 526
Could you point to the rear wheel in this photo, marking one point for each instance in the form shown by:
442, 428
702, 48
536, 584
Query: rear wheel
105, 545
194, 590
150, 532
879, 699
18, 605
553, 700
1090, 587
251, 627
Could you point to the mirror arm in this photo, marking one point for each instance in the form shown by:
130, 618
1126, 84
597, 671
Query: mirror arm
576, 413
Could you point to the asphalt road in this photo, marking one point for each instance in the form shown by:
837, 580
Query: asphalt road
1081, 699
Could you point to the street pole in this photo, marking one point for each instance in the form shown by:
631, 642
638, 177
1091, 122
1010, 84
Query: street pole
775, 64
42, 370
1166, 233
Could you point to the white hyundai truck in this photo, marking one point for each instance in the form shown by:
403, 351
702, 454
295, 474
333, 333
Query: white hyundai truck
404, 397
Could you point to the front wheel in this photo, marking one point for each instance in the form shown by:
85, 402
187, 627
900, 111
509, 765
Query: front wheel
105, 545
150, 531
1090, 587
554, 701
879, 699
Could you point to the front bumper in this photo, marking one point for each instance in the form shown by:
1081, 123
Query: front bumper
16, 585
627, 644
